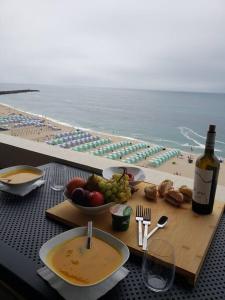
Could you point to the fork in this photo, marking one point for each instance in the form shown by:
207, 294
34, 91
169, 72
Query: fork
139, 219
146, 222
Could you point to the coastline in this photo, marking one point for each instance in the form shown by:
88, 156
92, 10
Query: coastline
177, 165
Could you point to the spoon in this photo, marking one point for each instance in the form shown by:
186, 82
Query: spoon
89, 236
161, 223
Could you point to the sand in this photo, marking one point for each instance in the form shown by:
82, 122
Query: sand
178, 166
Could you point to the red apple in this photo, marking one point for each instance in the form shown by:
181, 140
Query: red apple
131, 176
76, 182
96, 199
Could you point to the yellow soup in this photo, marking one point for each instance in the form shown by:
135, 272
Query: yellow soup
72, 261
20, 176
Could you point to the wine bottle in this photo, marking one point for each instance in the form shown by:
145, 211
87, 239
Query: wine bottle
206, 175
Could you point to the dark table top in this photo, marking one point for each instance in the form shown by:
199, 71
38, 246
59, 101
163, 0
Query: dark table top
24, 228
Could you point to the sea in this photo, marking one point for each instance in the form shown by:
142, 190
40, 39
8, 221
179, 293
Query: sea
169, 118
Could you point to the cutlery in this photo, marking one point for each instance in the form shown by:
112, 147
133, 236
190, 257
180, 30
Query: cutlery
139, 219
161, 223
146, 222
89, 236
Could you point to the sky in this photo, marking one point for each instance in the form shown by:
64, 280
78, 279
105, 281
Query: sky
143, 44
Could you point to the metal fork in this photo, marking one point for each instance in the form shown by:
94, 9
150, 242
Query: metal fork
139, 219
146, 222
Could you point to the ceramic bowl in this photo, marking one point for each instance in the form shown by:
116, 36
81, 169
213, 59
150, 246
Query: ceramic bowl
81, 231
38, 173
90, 210
138, 173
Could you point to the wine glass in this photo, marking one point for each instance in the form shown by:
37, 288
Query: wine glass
158, 265
57, 177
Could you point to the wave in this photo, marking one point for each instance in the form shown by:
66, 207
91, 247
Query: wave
156, 139
185, 132
189, 130
196, 146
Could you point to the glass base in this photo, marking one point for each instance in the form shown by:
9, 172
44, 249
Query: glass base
57, 188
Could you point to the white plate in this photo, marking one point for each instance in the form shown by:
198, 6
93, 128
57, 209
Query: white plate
89, 210
138, 173
80, 231
38, 171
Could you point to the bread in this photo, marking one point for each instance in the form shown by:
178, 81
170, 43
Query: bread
172, 201
151, 192
187, 193
164, 187
174, 197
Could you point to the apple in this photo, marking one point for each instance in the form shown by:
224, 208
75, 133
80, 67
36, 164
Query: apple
80, 196
76, 182
96, 198
131, 176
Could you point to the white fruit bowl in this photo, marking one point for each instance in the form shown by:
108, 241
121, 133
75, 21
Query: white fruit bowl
138, 173
90, 210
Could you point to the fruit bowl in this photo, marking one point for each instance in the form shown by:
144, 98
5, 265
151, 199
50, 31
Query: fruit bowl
90, 210
137, 173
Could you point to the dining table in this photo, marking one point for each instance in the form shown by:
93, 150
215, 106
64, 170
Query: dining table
25, 228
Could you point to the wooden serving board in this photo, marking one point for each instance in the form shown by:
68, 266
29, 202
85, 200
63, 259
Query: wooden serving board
189, 233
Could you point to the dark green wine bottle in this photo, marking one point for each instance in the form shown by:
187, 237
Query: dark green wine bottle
206, 175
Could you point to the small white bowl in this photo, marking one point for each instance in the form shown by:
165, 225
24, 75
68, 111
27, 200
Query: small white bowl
80, 231
38, 174
90, 210
138, 173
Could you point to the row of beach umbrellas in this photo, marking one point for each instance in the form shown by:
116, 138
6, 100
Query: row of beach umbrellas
91, 145
160, 159
119, 154
18, 119
68, 133
142, 155
79, 141
70, 138
114, 146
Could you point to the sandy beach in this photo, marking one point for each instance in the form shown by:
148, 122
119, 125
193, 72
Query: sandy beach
48, 130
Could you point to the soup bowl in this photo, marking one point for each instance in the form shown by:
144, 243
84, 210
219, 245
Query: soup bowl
107, 238
19, 174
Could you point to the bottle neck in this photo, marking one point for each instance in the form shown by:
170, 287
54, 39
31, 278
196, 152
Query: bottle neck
210, 143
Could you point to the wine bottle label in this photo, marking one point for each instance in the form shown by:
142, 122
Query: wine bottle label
202, 185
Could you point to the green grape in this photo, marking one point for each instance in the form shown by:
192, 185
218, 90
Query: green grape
108, 186
108, 193
101, 185
122, 195
114, 184
114, 190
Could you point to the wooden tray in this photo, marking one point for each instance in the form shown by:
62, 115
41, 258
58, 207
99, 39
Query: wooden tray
189, 233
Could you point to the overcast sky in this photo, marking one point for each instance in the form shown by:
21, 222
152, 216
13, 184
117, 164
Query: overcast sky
168, 45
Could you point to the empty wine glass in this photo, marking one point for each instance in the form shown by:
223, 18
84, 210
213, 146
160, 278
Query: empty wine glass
158, 265
57, 177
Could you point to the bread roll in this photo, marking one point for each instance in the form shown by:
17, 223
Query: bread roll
164, 187
187, 193
175, 194
174, 197
151, 192
172, 201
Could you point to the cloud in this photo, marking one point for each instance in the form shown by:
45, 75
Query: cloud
175, 45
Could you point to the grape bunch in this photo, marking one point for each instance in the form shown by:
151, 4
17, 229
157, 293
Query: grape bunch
116, 189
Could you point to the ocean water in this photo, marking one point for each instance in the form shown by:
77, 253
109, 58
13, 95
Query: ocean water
174, 119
